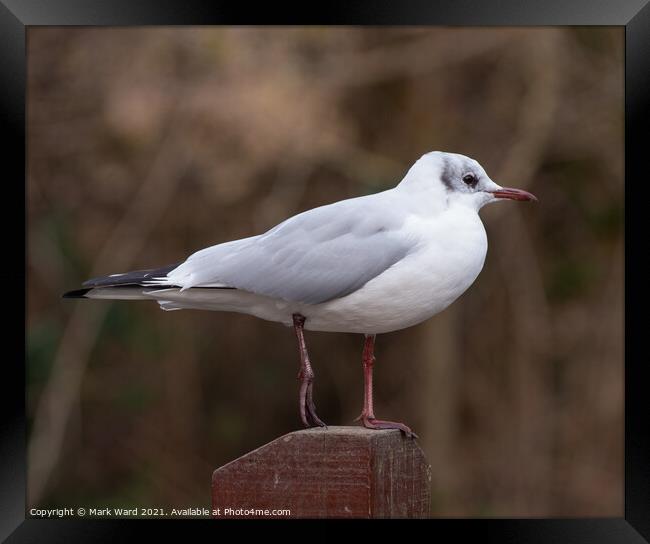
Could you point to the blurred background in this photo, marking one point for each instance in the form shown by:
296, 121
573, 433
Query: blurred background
146, 144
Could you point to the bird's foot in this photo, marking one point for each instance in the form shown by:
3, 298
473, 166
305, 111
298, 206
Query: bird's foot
372, 423
312, 419
308, 408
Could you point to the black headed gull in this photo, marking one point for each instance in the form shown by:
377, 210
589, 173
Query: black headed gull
368, 265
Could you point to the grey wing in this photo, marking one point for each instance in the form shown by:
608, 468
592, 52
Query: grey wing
316, 256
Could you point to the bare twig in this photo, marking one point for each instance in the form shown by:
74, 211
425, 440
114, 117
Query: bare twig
523, 276
128, 237
412, 59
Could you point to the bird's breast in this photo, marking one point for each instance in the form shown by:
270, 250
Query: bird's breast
447, 257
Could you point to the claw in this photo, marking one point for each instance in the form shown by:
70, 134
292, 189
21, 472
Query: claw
307, 407
372, 423
311, 409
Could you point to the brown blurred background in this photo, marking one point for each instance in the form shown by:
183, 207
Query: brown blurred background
146, 144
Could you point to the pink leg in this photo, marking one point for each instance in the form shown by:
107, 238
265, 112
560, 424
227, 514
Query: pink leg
306, 378
367, 416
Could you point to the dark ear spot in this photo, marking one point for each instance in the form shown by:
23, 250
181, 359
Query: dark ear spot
447, 176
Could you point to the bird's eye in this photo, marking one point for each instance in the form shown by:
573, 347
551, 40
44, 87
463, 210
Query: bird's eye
470, 179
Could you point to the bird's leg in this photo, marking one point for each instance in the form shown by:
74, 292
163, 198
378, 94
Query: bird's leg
305, 378
368, 360
367, 416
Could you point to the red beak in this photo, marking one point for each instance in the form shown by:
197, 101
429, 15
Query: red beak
514, 194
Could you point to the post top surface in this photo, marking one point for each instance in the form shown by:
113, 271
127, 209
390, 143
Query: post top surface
349, 430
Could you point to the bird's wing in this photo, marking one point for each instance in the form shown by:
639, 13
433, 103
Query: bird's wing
313, 257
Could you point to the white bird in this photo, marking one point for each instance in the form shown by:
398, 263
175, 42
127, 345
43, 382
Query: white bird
368, 265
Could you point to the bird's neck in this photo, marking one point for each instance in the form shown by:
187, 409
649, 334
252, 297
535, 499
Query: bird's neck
422, 200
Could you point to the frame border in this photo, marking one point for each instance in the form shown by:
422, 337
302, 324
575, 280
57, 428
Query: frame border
634, 15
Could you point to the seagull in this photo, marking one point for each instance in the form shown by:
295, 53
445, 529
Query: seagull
369, 265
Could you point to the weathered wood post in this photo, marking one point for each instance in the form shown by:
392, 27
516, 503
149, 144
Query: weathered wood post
338, 472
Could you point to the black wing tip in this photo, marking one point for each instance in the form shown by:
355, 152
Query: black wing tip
102, 281
135, 277
78, 293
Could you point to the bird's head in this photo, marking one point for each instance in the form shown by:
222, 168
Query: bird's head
459, 179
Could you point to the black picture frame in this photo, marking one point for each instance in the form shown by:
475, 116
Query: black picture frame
634, 15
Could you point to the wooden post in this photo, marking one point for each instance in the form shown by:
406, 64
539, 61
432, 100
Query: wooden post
338, 472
